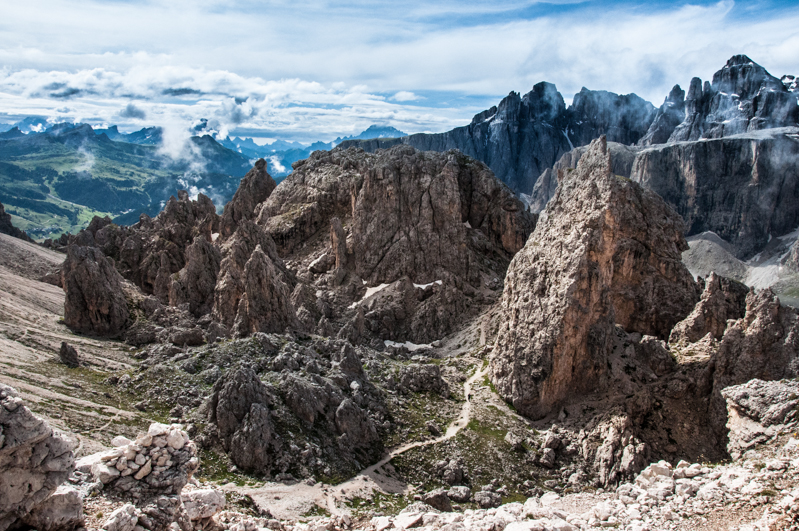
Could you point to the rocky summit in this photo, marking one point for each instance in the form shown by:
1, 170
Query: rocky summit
393, 339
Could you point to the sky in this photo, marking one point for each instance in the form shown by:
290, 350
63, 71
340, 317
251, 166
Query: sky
310, 70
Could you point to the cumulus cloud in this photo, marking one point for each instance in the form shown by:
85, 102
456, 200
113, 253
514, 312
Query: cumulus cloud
309, 69
404, 95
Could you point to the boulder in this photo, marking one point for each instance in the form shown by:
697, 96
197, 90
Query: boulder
438, 499
459, 494
487, 499
34, 460
604, 252
203, 503
68, 355
95, 303
423, 378
62, 511
123, 519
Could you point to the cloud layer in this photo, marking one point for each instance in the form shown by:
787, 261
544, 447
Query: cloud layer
310, 69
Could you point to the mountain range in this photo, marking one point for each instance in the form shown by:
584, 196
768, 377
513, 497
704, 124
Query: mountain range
523, 136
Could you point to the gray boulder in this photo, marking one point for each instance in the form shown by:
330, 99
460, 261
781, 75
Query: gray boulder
62, 511
487, 499
68, 355
34, 460
438, 499
423, 378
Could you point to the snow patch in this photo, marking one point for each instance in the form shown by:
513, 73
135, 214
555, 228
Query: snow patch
315, 262
467, 224
425, 286
571, 146
214, 236
410, 346
369, 293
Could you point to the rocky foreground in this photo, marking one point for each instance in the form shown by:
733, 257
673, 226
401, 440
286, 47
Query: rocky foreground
148, 484
392, 340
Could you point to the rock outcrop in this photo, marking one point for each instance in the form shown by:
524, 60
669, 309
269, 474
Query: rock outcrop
668, 117
34, 461
722, 299
408, 211
604, 252
255, 187
265, 305
621, 159
759, 410
764, 344
329, 408
95, 303
6, 227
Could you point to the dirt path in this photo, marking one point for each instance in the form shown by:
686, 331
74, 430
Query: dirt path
290, 501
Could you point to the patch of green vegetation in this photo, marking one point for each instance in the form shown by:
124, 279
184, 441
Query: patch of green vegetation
490, 385
315, 511
215, 467
515, 497
483, 429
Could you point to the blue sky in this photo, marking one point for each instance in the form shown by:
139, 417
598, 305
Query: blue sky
314, 70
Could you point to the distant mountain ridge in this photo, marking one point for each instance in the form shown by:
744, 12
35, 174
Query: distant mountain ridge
525, 135
55, 181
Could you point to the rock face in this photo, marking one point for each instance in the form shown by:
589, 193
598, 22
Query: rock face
266, 304
721, 300
604, 252
62, 511
742, 97
757, 410
195, 283
742, 187
94, 302
34, 461
525, 135
6, 227
151, 251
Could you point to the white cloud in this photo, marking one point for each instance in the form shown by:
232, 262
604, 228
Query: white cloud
309, 69
404, 95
